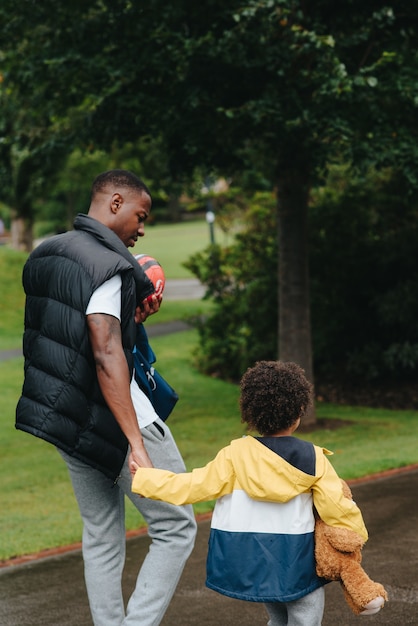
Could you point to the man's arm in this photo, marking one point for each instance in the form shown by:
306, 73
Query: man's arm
114, 380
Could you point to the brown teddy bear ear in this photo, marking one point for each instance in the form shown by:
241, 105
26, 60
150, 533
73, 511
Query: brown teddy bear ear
343, 539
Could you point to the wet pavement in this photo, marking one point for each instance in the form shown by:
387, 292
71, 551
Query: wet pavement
50, 591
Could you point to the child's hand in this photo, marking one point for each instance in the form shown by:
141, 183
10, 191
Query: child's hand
133, 466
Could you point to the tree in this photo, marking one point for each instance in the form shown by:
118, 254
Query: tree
291, 84
240, 328
32, 150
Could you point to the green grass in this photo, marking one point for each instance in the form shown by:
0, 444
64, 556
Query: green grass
38, 509
172, 244
12, 298
179, 310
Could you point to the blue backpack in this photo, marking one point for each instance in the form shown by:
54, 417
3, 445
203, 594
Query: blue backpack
161, 395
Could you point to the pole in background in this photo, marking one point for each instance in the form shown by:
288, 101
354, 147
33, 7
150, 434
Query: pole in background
210, 218
210, 215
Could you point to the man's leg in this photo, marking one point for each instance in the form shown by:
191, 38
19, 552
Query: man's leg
171, 528
102, 509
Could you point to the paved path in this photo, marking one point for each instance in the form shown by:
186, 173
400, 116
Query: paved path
184, 289
50, 592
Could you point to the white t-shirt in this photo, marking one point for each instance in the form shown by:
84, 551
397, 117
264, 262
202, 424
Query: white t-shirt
107, 299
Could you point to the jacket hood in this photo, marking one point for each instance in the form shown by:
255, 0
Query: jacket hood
258, 468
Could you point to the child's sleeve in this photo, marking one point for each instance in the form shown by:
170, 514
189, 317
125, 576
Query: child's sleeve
204, 483
330, 502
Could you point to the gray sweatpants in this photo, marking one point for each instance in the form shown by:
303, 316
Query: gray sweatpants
307, 611
172, 530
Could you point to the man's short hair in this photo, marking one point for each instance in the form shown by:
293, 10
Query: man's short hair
118, 178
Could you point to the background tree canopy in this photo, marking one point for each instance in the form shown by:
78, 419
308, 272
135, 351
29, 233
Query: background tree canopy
282, 87
215, 81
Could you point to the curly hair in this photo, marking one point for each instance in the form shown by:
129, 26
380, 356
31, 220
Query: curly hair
274, 394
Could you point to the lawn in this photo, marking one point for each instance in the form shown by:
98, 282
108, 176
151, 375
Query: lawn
38, 509
174, 243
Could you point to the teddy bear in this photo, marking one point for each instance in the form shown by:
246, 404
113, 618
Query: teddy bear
338, 557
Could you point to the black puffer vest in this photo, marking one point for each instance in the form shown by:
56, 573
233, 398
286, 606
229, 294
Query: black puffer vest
61, 400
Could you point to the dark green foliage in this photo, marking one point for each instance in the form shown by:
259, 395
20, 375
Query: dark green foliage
364, 256
296, 81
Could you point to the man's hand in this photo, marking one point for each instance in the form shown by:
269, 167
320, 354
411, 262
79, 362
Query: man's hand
138, 459
148, 307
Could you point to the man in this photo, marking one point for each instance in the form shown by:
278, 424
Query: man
82, 290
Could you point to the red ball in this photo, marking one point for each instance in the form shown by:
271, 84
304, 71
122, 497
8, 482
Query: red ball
153, 270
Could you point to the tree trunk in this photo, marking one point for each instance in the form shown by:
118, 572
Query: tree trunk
22, 212
21, 234
294, 332
174, 208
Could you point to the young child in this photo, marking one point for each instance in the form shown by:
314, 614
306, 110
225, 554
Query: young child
261, 545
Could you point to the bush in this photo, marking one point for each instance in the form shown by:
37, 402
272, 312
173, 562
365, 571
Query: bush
242, 281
